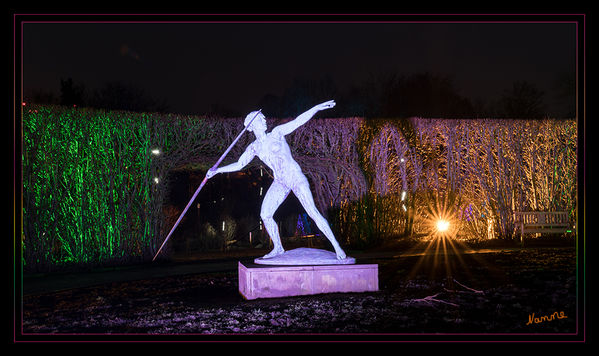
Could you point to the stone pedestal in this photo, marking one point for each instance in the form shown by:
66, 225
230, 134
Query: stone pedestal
273, 281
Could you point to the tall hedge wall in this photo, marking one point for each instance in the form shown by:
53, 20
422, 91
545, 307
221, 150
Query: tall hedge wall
94, 186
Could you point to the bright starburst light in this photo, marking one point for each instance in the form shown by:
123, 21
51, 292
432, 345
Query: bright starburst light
442, 225
441, 251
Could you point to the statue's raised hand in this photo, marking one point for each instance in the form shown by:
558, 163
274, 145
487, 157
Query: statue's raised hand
326, 105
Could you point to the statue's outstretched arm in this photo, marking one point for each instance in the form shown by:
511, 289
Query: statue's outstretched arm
290, 126
245, 158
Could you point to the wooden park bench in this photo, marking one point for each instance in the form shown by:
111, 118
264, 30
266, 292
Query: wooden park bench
541, 222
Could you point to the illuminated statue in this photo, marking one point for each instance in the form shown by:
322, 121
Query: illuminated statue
274, 151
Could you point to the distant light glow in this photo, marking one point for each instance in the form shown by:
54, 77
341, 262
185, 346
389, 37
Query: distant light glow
156, 180
442, 225
403, 195
223, 226
156, 151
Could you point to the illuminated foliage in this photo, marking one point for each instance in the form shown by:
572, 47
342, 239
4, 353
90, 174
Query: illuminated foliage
95, 182
86, 186
486, 168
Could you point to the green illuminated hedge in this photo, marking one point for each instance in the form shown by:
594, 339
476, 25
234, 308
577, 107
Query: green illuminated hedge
86, 186
94, 191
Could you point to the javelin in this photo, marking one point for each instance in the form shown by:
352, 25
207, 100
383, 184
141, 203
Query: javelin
204, 182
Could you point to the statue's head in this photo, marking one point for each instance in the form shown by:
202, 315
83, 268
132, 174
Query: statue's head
258, 123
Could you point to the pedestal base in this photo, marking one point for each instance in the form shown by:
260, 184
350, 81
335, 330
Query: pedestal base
260, 281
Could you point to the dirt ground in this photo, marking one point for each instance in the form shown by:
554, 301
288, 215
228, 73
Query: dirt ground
514, 292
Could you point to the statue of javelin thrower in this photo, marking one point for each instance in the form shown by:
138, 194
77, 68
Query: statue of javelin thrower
274, 151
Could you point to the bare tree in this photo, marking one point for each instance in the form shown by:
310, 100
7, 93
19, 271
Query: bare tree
523, 101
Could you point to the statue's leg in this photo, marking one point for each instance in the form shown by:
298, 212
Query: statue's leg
304, 195
275, 195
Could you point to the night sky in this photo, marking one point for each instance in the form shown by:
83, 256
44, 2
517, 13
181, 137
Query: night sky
194, 65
